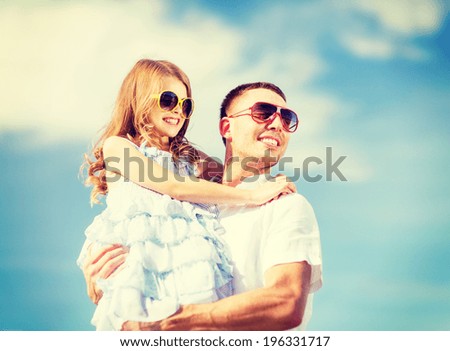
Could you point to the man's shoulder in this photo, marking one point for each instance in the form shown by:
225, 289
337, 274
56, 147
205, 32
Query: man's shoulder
295, 200
292, 208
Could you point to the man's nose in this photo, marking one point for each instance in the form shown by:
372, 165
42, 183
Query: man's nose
275, 122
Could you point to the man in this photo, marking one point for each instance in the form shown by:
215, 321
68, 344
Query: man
275, 248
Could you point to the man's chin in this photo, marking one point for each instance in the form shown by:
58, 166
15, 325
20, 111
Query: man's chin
271, 157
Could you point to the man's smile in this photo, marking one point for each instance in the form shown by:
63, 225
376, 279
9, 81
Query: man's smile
270, 140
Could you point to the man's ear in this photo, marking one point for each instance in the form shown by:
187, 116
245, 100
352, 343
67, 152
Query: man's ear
224, 128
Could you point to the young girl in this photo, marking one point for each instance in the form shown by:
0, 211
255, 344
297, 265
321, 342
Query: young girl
146, 167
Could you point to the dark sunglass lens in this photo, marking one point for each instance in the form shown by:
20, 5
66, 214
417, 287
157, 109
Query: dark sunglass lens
290, 119
263, 111
168, 100
187, 108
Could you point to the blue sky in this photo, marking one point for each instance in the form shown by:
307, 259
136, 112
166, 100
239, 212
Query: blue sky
371, 79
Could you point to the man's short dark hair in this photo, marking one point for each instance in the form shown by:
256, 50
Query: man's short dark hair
243, 88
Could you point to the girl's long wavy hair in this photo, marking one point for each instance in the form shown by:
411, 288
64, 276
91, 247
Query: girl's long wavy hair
130, 119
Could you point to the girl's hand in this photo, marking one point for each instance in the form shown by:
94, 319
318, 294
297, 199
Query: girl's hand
102, 264
271, 190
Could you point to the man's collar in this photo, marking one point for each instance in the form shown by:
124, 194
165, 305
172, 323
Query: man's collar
254, 181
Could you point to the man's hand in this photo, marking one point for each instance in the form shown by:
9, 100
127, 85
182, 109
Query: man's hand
136, 326
102, 264
172, 322
290, 189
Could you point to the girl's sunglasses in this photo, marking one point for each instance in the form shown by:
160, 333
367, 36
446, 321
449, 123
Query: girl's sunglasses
263, 112
168, 101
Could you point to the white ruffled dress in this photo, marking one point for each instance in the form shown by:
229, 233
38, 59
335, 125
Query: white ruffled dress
175, 254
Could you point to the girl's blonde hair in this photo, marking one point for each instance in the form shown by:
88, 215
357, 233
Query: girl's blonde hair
130, 119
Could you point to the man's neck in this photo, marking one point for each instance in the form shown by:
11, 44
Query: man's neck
235, 170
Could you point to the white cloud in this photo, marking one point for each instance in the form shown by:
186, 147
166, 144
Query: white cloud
294, 68
380, 47
368, 47
408, 17
397, 23
62, 65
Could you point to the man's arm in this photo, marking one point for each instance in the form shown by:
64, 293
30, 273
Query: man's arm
209, 168
279, 305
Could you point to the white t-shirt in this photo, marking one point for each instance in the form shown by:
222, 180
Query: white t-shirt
282, 231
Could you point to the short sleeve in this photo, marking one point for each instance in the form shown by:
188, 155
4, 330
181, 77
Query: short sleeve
293, 236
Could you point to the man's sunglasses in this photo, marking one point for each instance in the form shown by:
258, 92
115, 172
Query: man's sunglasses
168, 101
263, 112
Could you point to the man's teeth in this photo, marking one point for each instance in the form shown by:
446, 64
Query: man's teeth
270, 141
173, 121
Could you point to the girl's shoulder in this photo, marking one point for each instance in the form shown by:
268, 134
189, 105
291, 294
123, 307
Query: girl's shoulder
115, 141
115, 145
